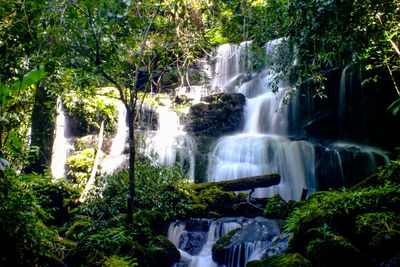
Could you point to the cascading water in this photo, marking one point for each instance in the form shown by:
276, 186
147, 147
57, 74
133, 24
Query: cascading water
116, 157
60, 145
170, 144
195, 238
263, 146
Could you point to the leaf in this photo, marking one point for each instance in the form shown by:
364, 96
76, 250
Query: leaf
29, 79
395, 106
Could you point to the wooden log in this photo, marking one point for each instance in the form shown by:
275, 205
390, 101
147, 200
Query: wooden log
242, 184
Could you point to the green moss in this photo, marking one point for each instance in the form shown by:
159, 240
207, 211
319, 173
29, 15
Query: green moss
337, 251
151, 219
220, 249
281, 260
276, 208
198, 211
80, 226
115, 260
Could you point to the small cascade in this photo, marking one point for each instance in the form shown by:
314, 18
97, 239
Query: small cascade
195, 238
170, 144
230, 67
116, 157
61, 144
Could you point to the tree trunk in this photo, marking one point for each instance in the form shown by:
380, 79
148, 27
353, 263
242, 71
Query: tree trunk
242, 183
41, 130
132, 156
95, 165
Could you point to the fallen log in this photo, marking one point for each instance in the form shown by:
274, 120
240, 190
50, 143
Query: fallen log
242, 184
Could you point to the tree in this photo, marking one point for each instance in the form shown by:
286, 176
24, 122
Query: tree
119, 43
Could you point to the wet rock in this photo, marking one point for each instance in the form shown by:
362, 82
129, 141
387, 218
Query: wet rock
235, 246
220, 114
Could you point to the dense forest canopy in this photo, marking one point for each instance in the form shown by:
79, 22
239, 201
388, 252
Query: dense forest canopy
70, 48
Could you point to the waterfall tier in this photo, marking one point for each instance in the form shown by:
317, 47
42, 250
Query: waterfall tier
195, 239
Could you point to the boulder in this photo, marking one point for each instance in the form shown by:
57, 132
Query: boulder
217, 115
334, 251
259, 231
276, 208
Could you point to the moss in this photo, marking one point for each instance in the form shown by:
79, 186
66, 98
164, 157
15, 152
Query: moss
197, 211
220, 248
165, 252
276, 208
115, 260
281, 260
150, 218
80, 226
335, 251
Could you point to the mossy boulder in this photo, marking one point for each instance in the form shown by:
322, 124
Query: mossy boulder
217, 200
335, 251
81, 225
151, 219
164, 251
221, 248
281, 260
217, 115
160, 252
197, 211
276, 208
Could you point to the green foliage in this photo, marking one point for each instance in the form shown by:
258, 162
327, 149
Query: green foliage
282, 260
90, 110
80, 165
25, 239
158, 187
276, 208
119, 261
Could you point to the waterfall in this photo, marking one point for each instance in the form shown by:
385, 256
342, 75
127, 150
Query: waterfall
116, 158
171, 144
195, 238
60, 145
263, 145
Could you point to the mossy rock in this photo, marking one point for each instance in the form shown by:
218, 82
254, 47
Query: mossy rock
81, 225
161, 252
220, 248
165, 252
217, 200
281, 260
336, 251
197, 211
150, 218
303, 233
276, 208
385, 244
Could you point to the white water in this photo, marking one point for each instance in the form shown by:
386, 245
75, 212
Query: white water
60, 145
116, 158
171, 144
177, 234
263, 146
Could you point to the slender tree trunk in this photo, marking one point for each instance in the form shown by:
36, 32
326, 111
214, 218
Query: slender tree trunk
95, 165
132, 156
